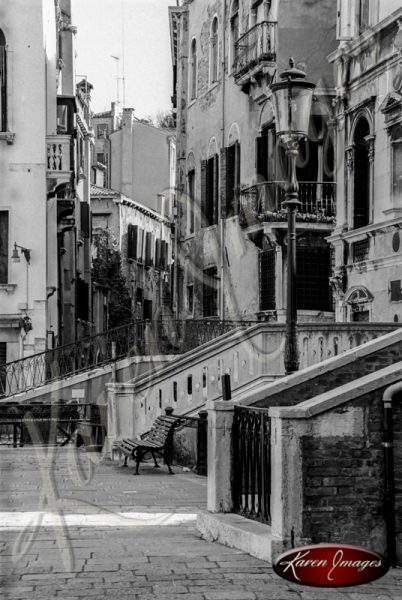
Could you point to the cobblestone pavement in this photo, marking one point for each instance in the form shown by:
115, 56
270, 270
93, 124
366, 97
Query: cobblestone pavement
106, 558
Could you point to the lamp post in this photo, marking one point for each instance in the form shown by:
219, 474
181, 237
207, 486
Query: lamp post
292, 99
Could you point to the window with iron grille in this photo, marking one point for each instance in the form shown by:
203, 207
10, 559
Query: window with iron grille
313, 273
210, 293
3, 246
396, 291
361, 250
267, 279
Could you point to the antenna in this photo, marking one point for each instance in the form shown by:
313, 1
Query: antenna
117, 59
123, 53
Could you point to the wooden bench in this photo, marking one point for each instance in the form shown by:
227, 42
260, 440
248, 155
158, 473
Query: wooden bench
157, 441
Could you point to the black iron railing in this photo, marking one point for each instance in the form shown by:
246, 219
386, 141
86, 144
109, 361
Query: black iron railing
255, 47
134, 339
263, 202
251, 483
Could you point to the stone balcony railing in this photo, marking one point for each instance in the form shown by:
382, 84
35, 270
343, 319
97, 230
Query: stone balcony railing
254, 50
59, 163
263, 202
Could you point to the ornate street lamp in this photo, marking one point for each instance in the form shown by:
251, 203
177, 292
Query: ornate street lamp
292, 99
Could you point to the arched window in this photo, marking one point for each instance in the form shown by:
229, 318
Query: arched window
361, 195
3, 82
214, 51
193, 70
396, 144
234, 30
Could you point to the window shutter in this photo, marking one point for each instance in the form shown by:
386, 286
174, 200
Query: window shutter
203, 192
236, 194
158, 262
163, 255
215, 188
85, 219
140, 253
3, 87
3, 247
148, 248
223, 182
132, 235
230, 179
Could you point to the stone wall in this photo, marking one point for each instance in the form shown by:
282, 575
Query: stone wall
343, 480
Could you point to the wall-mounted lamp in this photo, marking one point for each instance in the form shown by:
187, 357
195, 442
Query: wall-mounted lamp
25, 251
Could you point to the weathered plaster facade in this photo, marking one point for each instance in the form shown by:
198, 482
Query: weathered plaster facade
147, 271
222, 113
367, 239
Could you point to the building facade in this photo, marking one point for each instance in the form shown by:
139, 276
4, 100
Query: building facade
231, 171
43, 198
144, 239
367, 238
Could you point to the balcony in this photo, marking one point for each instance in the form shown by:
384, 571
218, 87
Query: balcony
59, 164
263, 203
254, 51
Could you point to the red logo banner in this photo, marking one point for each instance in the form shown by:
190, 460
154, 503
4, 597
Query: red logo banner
330, 565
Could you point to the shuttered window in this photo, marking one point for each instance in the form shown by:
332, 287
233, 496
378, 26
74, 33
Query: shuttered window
132, 241
3, 247
3, 82
148, 249
209, 191
210, 293
158, 264
232, 179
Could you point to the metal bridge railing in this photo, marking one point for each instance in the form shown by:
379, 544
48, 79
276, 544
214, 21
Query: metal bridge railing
251, 484
134, 339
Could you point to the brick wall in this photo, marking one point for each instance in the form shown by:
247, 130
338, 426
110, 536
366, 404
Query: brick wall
343, 481
335, 378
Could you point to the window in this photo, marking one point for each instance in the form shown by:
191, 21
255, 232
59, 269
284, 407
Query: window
191, 197
214, 50
190, 385
361, 196
265, 147
193, 70
363, 14
147, 310
209, 191
234, 30
267, 279
132, 240
190, 298
3, 82
396, 145
139, 295
3, 247
232, 179
210, 293
164, 255
100, 157
396, 291
102, 130
313, 273
3, 360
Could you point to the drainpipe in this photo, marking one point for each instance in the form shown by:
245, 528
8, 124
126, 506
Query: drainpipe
388, 444
222, 220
